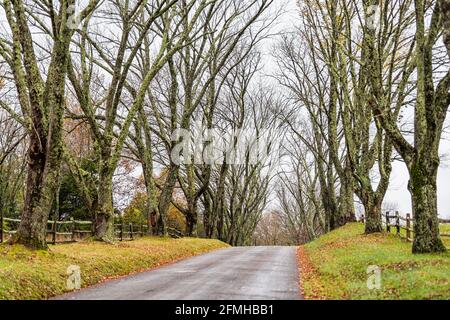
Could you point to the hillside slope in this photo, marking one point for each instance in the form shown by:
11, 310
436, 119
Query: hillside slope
335, 266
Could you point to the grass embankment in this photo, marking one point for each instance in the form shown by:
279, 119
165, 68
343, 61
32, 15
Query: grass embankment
26, 274
335, 267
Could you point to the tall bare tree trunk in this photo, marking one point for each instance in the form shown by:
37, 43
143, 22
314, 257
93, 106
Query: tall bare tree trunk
152, 206
47, 108
372, 208
191, 221
445, 8
103, 211
422, 186
191, 213
166, 198
346, 211
208, 219
220, 202
42, 184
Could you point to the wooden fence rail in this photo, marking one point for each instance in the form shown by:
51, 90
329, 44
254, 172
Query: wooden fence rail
393, 220
72, 230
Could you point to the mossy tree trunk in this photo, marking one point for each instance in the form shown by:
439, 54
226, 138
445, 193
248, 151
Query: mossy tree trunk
191, 223
366, 90
429, 115
209, 219
327, 185
220, 203
430, 110
165, 198
42, 103
103, 210
346, 210
144, 152
445, 9
42, 185
191, 194
152, 201
422, 186
33, 226
372, 209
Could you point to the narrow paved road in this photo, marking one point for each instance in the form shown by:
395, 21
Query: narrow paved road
246, 273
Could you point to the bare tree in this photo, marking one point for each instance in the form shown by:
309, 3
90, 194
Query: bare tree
110, 112
431, 103
39, 76
191, 75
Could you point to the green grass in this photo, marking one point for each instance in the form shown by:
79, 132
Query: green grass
26, 274
338, 264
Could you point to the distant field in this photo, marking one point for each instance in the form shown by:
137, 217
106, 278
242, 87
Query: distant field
335, 267
26, 274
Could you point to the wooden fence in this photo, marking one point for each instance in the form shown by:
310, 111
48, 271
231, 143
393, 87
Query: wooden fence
73, 230
404, 225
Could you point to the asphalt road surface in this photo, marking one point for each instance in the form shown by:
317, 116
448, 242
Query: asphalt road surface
240, 273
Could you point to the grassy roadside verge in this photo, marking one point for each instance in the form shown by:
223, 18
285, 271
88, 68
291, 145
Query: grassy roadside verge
335, 267
26, 274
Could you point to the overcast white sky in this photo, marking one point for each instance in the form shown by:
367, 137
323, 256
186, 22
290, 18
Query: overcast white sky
397, 192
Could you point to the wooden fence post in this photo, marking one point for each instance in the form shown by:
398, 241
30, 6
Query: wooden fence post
141, 230
388, 227
121, 231
408, 226
397, 222
73, 228
131, 231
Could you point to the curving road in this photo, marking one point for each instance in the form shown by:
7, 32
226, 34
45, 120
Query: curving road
239, 273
